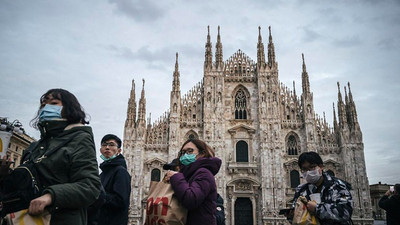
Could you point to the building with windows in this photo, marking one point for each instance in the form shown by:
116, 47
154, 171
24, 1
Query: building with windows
18, 140
257, 126
377, 192
18, 143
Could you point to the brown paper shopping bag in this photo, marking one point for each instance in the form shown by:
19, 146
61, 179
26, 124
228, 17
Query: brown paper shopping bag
23, 218
301, 215
163, 207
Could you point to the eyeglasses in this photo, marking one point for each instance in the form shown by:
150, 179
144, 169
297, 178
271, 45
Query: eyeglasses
187, 150
111, 144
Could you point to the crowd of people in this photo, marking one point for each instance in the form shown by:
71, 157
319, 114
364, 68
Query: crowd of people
75, 193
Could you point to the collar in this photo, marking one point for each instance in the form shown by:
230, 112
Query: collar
52, 128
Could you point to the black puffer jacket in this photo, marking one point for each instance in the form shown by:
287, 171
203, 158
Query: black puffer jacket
117, 184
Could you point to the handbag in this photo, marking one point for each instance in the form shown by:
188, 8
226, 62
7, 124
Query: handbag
23, 218
301, 215
163, 207
24, 183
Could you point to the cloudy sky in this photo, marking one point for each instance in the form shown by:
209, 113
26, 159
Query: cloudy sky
95, 48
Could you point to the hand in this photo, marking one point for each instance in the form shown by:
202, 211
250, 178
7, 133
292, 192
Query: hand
38, 204
311, 206
5, 166
169, 174
388, 193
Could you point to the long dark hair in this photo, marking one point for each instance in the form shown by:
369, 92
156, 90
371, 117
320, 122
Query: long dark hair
72, 111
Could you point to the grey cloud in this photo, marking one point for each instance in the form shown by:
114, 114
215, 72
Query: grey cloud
388, 43
141, 11
347, 42
310, 35
144, 53
155, 59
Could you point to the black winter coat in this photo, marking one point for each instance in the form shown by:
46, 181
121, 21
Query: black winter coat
392, 207
117, 185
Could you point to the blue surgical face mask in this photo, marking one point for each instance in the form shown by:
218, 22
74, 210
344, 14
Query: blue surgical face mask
107, 159
50, 112
187, 159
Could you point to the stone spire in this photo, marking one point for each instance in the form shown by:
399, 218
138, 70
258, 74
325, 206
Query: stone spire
335, 124
341, 109
149, 120
347, 107
346, 98
218, 51
142, 107
352, 105
208, 53
175, 99
304, 77
295, 100
294, 90
260, 50
131, 111
271, 50
176, 82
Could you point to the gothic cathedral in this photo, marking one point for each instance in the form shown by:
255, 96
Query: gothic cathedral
257, 126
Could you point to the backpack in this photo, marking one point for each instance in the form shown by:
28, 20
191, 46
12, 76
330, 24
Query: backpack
23, 184
220, 213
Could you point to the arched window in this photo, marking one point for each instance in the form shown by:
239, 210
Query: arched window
191, 136
331, 173
155, 175
292, 145
240, 105
294, 178
243, 211
242, 153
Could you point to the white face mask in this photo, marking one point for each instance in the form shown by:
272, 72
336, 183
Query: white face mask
312, 176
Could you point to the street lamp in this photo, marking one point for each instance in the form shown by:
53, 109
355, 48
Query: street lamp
7, 130
14, 126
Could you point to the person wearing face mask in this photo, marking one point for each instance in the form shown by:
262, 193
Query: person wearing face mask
114, 202
334, 204
194, 185
69, 175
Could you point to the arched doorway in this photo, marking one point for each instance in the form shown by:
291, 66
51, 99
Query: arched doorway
243, 211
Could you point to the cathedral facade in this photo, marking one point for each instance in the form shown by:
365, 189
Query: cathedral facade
257, 126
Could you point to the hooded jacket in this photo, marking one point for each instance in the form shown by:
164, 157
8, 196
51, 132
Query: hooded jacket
336, 205
71, 173
392, 207
117, 185
195, 188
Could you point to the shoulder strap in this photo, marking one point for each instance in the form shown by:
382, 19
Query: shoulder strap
48, 153
28, 152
